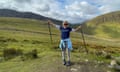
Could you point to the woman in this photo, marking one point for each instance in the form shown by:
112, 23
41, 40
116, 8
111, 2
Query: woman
65, 43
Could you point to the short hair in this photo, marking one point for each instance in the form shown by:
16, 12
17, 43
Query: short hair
65, 22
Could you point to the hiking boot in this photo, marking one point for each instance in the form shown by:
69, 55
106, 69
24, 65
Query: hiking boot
64, 62
68, 63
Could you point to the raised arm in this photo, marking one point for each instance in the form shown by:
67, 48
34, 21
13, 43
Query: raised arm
51, 23
77, 28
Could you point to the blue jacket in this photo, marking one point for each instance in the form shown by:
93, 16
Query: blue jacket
63, 44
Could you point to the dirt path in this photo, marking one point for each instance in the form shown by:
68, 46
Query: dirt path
77, 67
83, 67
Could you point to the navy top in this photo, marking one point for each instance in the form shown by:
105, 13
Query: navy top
65, 32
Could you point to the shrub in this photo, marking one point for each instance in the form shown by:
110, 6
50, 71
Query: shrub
11, 53
30, 55
36, 42
11, 40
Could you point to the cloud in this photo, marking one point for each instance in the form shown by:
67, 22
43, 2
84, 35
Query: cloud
42, 8
72, 10
108, 6
23, 1
81, 10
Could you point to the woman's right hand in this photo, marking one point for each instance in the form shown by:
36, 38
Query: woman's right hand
49, 22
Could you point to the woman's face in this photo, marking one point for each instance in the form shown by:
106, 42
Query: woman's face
65, 24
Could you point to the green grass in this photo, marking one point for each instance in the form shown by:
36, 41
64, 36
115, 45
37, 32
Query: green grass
108, 30
28, 34
104, 26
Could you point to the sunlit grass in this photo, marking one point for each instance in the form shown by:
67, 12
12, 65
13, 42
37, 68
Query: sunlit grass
28, 34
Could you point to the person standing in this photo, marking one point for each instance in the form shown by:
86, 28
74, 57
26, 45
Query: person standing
65, 43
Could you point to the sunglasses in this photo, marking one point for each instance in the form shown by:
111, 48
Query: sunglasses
65, 24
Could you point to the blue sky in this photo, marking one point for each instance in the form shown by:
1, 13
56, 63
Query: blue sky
75, 11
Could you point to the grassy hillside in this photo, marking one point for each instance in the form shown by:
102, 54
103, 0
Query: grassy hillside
26, 34
105, 26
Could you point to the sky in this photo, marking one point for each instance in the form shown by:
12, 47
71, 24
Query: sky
74, 11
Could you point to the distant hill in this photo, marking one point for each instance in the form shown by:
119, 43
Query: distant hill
30, 15
106, 26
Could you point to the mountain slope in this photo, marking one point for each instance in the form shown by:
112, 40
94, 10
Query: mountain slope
29, 15
29, 34
105, 26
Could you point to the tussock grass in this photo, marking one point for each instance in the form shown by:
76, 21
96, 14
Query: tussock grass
28, 35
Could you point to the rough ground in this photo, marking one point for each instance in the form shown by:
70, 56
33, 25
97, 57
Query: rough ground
78, 67
55, 65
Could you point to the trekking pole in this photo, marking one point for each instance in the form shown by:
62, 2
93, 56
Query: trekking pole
50, 33
84, 40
